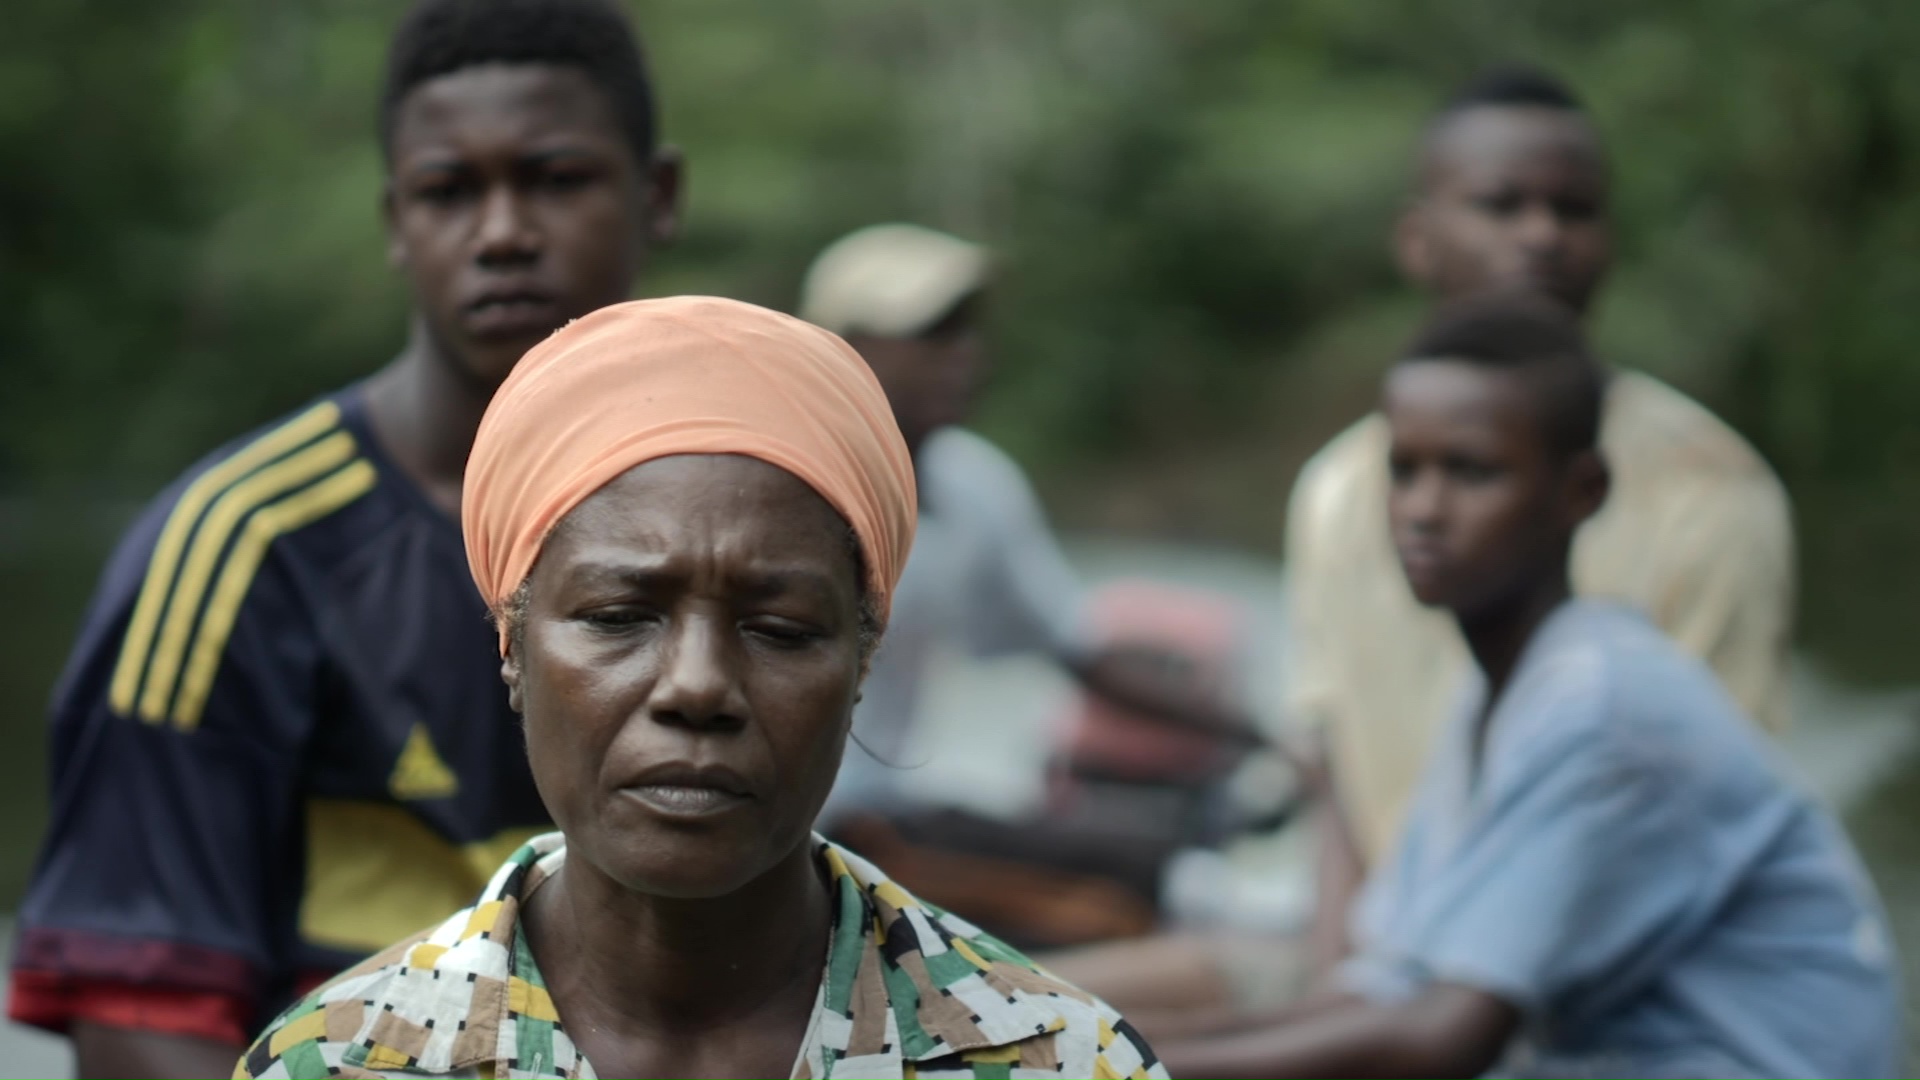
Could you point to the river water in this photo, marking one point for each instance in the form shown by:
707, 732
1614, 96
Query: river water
988, 723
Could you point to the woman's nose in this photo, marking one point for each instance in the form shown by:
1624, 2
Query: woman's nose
696, 686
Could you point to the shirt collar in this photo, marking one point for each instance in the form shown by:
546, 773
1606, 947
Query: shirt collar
904, 981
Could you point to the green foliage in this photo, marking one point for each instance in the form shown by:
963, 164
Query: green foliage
1191, 201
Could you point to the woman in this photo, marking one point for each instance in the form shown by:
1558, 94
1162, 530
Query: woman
688, 516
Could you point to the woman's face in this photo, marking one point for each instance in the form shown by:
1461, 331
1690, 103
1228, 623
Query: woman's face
687, 668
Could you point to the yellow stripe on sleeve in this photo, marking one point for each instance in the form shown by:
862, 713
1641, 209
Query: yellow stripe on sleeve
164, 565
236, 577
203, 557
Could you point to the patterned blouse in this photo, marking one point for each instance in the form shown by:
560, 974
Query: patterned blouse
909, 991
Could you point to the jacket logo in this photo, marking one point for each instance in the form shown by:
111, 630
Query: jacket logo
421, 773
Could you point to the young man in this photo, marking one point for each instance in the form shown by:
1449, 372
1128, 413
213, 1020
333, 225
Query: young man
281, 740
1604, 872
1512, 192
986, 570
987, 574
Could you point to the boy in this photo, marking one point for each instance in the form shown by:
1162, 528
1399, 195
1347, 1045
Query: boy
1511, 191
281, 740
1604, 872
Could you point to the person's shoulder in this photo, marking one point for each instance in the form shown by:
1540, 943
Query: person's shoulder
1697, 522
960, 457
1083, 1036
1646, 419
961, 471
1362, 445
1019, 1015
1612, 683
283, 478
182, 573
315, 1035
432, 1004
377, 1017
1336, 478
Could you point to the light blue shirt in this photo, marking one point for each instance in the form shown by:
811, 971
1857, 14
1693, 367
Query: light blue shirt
985, 575
1634, 872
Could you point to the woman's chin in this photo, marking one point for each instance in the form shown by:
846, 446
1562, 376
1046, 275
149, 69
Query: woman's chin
685, 879
693, 865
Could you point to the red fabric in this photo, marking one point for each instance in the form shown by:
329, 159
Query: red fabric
47, 1000
113, 958
1199, 626
309, 981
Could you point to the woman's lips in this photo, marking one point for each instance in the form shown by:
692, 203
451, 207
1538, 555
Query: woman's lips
682, 801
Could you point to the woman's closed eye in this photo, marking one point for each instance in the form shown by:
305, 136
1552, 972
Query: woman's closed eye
617, 618
783, 633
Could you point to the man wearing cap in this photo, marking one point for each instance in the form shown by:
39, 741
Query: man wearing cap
985, 570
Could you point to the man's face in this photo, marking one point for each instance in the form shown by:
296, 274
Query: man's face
515, 203
930, 380
1480, 506
1512, 197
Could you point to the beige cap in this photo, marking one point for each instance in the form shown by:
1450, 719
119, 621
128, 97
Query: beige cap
891, 281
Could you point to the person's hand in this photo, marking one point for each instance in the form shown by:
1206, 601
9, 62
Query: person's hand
1312, 765
1171, 687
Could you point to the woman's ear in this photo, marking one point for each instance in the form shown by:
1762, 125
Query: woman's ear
510, 674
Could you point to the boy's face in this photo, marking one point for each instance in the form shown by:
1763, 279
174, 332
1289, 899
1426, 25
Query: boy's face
1512, 197
515, 203
1480, 506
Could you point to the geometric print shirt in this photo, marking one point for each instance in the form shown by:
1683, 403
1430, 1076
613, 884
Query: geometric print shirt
908, 990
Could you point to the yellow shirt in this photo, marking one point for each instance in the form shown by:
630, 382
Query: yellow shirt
1696, 532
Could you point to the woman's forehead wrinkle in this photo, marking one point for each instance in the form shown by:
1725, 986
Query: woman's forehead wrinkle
756, 542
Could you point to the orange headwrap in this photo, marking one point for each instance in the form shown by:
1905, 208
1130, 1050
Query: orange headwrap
688, 375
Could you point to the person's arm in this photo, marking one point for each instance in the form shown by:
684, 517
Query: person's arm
1339, 872
1148, 682
1446, 1030
99, 1050
149, 929
1162, 1026
1024, 596
1585, 868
